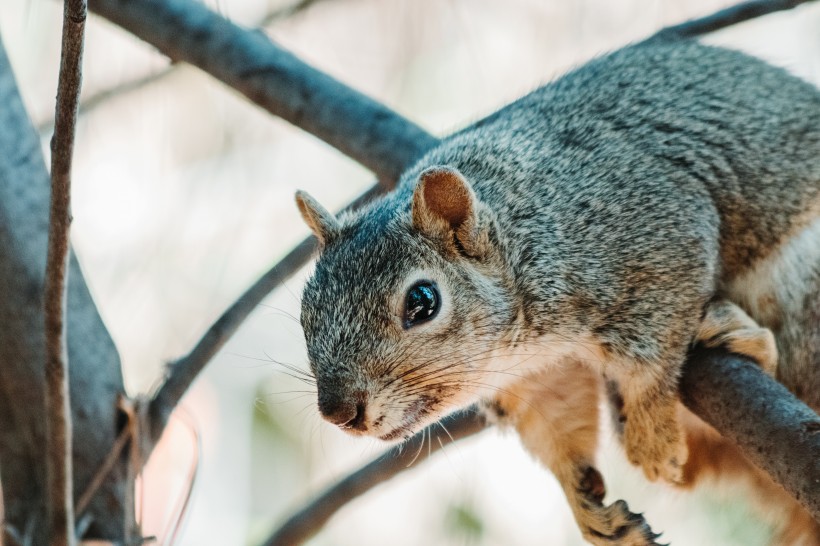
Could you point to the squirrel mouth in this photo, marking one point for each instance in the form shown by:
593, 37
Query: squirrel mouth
412, 414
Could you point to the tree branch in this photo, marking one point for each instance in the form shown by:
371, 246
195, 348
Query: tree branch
57, 400
739, 13
306, 522
774, 430
276, 80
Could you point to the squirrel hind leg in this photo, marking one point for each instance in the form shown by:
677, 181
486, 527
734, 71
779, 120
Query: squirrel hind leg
727, 325
556, 415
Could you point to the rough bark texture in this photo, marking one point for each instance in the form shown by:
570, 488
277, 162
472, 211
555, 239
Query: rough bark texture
273, 78
59, 480
775, 430
95, 377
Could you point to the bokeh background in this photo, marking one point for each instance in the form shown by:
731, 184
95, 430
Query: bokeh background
183, 197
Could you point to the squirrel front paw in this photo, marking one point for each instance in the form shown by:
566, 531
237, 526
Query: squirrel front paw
653, 438
616, 525
725, 324
607, 525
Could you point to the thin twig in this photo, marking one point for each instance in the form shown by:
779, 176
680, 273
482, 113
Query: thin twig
726, 18
136, 419
183, 371
287, 12
58, 408
176, 524
103, 471
309, 520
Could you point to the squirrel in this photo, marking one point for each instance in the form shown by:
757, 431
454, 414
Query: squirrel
584, 236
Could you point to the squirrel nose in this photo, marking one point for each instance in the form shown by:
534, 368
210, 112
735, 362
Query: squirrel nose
346, 413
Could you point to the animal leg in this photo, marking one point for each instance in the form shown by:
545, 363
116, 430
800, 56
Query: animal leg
556, 416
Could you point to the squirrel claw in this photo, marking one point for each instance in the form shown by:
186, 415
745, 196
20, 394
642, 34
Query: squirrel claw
615, 524
604, 525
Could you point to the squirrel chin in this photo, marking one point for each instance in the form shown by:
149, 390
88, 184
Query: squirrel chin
400, 433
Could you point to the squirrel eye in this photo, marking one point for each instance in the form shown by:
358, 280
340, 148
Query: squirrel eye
422, 303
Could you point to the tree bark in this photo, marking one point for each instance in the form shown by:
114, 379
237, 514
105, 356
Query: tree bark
774, 430
59, 478
96, 377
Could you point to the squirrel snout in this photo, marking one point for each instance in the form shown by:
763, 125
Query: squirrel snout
347, 412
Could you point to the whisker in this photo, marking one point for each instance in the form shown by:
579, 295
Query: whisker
280, 312
421, 445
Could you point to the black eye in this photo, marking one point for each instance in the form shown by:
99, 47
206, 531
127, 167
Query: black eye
422, 303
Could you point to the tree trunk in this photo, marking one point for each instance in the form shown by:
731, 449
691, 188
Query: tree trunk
96, 377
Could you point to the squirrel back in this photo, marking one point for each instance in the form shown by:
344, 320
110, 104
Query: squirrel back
670, 117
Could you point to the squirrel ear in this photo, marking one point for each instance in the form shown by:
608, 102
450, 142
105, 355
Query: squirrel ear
443, 201
323, 224
445, 207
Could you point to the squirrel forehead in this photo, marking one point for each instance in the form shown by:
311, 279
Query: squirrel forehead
370, 260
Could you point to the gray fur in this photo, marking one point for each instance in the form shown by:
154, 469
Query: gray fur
614, 204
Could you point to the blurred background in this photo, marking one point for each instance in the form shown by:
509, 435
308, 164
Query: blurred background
183, 197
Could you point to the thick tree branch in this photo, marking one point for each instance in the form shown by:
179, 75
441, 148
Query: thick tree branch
309, 520
60, 487
739, 13
273, 78
775, 430
95, 376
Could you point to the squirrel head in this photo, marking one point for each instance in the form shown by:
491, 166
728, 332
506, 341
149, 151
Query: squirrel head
408, 301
